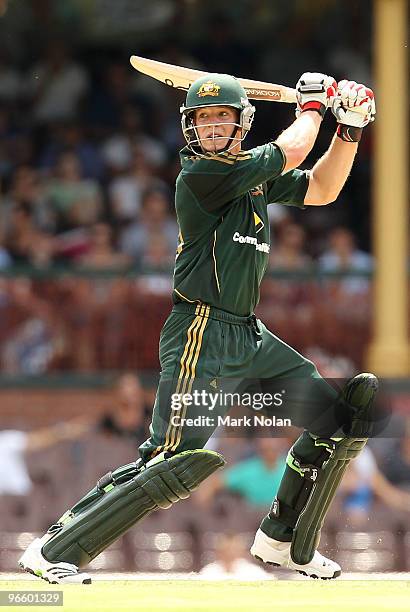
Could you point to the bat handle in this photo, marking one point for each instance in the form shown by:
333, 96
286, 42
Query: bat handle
339, 110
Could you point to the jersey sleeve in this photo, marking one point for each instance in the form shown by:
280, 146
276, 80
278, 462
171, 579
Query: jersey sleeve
289, 189
217, 180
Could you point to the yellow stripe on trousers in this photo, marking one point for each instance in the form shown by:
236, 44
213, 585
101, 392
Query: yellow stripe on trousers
190, 376
189, 350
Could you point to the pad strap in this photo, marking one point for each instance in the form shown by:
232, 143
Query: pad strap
283, 513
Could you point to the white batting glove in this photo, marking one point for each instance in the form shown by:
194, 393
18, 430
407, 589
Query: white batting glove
315, 91
354, 107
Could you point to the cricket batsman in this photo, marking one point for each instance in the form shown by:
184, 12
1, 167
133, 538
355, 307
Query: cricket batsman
212, 335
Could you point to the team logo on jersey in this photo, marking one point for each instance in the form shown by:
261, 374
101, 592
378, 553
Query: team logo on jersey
259, 224
208, 89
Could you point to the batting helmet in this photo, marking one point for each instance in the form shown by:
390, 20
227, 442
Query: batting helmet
215, 90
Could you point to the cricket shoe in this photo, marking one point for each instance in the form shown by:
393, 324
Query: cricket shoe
34, 562
277, 553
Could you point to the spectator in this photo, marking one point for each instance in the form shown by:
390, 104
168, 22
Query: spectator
129, 415
101, 253
117, 150
278, 295
362, 483
396, 466
78, 311
32, 340
156, 263
22, 233
14, 476
330, 366
75, 201
58, 85
71, 136
126, 191
15, 450
155, 219
231, 562
256, 479
41, 253
157, 255
113, 92
27, 190
344, 256
288, 253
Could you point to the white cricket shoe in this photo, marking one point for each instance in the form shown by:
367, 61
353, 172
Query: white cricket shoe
272, 551
34, 562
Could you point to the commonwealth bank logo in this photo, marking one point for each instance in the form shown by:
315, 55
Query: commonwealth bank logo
259, 224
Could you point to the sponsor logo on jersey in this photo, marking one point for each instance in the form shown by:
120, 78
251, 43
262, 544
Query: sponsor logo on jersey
208, 89
259, 246
259, 224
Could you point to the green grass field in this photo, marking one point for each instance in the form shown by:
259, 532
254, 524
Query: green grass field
204, 596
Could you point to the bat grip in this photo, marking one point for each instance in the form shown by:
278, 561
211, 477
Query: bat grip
339, 110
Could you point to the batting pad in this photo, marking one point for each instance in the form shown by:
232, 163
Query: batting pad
306, 534
123, 498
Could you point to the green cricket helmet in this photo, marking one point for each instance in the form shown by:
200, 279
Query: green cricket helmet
216, 90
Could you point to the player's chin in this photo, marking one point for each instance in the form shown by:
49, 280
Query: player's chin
215, 147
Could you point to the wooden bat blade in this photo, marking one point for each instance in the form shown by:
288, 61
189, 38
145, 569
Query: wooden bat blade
182, 78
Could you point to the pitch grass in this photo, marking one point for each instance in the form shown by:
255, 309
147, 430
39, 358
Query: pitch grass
206, 596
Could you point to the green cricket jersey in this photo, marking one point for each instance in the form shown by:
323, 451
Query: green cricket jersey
221, 205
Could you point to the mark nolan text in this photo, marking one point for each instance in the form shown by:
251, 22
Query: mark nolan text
257, 420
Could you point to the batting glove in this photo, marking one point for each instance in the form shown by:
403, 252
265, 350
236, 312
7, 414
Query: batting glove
315, 91
354, 107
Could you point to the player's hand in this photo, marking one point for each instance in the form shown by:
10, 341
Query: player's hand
315, 91
354, 107
354, 104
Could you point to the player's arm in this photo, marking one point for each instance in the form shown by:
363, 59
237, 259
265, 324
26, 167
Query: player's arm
215, 181
48, 436
330, 172
314, 94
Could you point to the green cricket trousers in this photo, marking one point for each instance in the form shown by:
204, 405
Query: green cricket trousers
205, 349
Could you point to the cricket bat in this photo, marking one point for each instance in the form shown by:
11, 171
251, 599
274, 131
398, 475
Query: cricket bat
180, 77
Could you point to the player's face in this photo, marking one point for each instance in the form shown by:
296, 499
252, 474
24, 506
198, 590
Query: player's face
215, 125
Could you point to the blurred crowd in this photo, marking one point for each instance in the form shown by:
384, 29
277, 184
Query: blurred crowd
88, 161
89, 148
84, 325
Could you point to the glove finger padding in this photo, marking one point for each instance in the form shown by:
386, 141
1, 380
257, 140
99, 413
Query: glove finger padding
314, 91
354, 105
